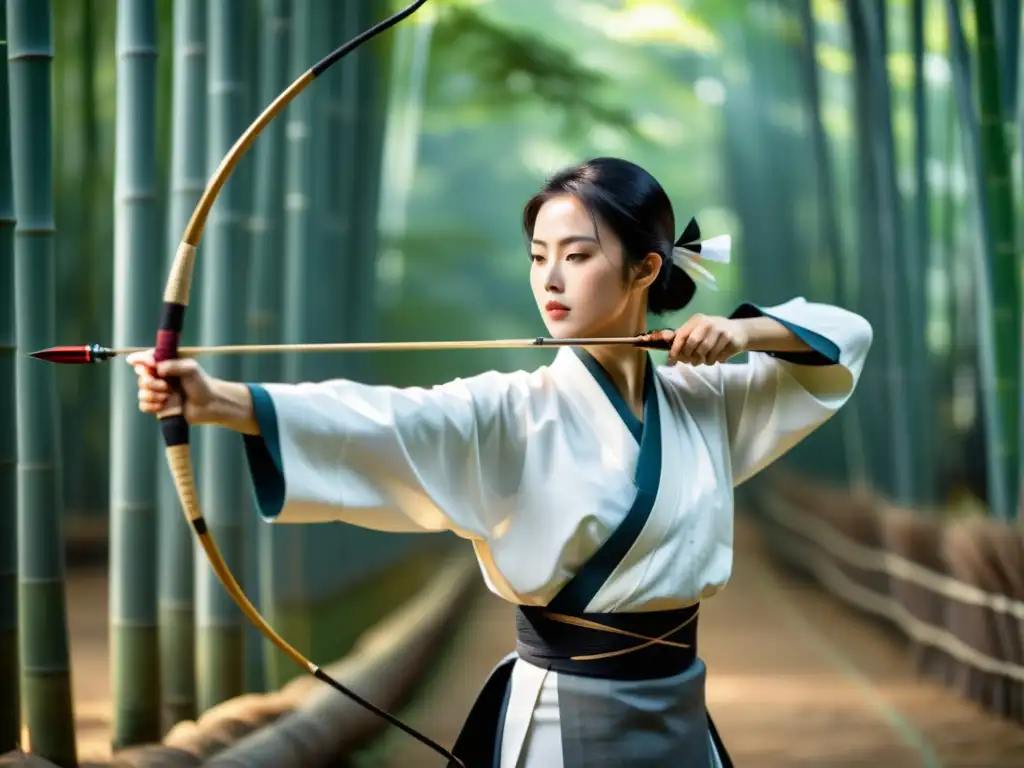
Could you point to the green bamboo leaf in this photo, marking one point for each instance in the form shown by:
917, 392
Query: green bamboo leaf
502, 68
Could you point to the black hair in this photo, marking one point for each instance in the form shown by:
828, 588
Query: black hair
633, 205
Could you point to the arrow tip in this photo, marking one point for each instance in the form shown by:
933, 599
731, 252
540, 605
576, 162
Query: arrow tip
76, 355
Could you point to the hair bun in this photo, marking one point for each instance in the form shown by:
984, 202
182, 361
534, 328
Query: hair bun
671, 291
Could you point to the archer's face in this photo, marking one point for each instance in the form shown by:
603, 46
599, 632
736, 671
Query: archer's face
576, 273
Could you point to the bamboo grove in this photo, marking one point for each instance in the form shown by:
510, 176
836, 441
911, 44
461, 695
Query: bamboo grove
892, 132
865, 152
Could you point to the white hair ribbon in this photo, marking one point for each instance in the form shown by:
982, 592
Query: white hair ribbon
690, 249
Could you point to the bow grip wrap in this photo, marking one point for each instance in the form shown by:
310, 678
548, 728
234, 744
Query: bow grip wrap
172, 420
173, 425
168, 339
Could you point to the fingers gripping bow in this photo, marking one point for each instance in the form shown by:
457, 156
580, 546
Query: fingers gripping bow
173, 424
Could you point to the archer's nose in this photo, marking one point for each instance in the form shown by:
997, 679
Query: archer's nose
553, 282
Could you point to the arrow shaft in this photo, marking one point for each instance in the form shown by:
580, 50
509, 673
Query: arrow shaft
398, 346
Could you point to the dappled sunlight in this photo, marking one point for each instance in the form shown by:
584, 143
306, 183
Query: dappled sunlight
652, 21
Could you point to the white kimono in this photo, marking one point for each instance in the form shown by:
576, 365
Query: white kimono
538, 469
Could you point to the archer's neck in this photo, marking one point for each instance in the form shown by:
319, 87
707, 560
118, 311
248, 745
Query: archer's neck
626, 365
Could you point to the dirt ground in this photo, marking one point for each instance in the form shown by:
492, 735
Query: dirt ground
90, 667
795, 680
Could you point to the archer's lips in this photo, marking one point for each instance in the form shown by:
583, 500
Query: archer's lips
556, 310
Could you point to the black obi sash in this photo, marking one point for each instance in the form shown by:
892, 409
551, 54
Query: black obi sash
613, 646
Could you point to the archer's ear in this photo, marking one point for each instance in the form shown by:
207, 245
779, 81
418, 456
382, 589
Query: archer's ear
648, 270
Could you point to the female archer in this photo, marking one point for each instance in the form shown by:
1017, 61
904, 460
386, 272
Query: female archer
597, 491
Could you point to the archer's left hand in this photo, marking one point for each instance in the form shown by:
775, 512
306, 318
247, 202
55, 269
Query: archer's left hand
705, 340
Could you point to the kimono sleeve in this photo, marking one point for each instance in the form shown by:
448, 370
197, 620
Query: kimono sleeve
776, 399
446, 458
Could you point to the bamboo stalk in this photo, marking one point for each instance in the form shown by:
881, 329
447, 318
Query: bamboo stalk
135, 660
1006, 266
219, 623
265, 278
896, 271
877, 407
1008, 28
188, 178
368, 128
999, 499
339, 148
46, 673
267, 54
301, 244
10, 692
265, 295
830, 236
927, 444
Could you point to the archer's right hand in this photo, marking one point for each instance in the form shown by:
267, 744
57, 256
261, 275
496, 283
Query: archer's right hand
155, 394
